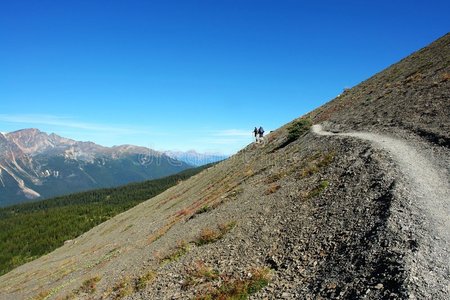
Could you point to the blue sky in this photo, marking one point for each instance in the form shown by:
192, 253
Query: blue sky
198, 75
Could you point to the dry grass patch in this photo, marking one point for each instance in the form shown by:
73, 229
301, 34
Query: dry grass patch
274, 177
42, 295
318, 189
203, 209
181, 249
162, 230
272, 188
123, 288
182, 212
128, 285
208, 235
199, 273
249, 172
89, 285
226, 227
316, 162
113, 253
69, 296
143, 281
309, 170
232, 194
238, 288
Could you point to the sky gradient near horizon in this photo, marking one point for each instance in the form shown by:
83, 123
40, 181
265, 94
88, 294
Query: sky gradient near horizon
181, 75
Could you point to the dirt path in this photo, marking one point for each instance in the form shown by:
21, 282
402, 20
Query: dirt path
429, 191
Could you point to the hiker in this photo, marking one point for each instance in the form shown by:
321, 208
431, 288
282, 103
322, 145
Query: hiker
255, 131
261, 133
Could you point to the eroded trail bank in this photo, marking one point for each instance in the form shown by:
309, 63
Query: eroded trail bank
428, 190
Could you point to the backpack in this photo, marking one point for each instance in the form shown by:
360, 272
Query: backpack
261, 130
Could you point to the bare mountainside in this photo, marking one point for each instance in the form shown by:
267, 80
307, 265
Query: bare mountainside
338, 212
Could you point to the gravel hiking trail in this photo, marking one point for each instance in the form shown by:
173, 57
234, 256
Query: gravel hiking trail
429, 191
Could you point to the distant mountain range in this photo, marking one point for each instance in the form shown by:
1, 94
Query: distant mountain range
34, 165
194, 158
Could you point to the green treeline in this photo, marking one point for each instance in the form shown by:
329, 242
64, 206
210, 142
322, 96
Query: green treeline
30, 230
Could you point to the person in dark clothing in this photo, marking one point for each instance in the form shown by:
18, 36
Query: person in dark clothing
261, 133
255, 131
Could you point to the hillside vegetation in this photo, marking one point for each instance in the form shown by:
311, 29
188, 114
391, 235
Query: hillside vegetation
33, 229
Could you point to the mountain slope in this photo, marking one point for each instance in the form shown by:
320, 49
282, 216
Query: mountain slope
411, 95
30, 230
330, 216
36, 165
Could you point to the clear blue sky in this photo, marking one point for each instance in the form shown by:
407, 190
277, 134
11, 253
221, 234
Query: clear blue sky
194, 74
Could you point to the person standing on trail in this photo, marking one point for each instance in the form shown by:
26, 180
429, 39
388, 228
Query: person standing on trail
255, 131
261, 133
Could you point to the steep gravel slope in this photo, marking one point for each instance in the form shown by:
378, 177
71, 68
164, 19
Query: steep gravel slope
297, 210
331, 217
412, 95
429, 187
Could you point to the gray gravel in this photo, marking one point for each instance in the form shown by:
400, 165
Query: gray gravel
429, 187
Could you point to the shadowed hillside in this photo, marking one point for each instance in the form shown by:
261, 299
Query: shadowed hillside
304, 215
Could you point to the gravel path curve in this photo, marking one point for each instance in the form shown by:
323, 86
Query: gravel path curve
429, 188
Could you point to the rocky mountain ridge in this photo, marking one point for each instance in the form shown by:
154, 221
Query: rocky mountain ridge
34, 164
329, 213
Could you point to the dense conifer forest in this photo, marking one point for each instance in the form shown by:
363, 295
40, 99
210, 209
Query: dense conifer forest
31, 230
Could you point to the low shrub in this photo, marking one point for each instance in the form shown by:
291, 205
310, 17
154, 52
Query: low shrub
123, 288
238, 288
144, 280
199, 273
181, 249
208, 235
273, 188
298, 128
89, 285
203, 209
42, 295
319, 189
226, 227
316, 162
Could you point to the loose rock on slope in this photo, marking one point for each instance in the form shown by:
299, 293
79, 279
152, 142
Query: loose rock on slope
430, 187
332, 217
